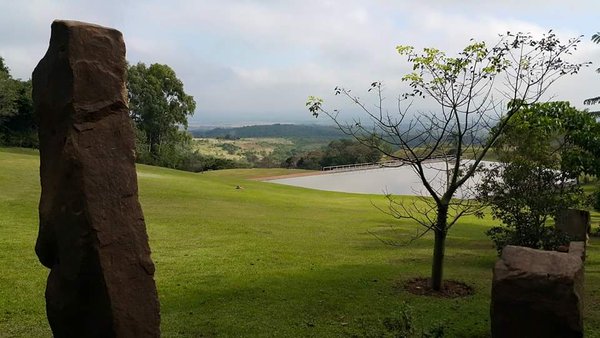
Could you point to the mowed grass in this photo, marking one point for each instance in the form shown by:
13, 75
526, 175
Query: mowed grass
265, 260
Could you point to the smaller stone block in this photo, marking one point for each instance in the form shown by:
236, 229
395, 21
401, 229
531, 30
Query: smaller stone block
537, 293
575, 223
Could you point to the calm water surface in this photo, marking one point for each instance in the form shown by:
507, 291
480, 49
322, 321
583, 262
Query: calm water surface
398, 181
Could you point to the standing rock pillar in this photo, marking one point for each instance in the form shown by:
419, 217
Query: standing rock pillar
92, 233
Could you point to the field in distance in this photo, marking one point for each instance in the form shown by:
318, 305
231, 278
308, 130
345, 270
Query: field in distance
243, 148
263, 145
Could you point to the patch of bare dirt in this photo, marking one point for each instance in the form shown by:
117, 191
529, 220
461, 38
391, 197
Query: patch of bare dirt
269, 178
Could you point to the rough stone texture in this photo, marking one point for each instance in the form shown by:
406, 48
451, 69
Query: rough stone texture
92, 233
537, 294
576, 223
577, 249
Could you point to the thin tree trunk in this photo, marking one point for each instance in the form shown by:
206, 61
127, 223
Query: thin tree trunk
153, 144
437, 269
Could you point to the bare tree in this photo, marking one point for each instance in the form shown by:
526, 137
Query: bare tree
479, 89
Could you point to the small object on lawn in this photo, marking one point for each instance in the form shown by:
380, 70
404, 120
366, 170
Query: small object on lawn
239, 187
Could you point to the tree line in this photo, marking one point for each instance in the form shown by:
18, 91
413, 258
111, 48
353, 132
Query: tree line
18, 126
273, 130
159, 108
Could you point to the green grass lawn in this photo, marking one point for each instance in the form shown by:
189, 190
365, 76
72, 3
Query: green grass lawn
265, 260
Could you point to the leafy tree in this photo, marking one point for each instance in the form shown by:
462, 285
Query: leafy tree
306, 160
21, 128
525, 196
8, 93
554, 135
17, 122
471, 91
347, 151
158, 105
540, 161
337, 152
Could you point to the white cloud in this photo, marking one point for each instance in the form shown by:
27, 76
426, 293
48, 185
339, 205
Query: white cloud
255, 58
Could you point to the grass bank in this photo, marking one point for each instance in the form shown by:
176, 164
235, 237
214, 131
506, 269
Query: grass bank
265, 260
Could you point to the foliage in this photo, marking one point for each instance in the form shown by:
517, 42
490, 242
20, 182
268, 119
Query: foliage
17, 122
465, 88
346, 151
553, 135
255, 152
229, 148
542, 159
399, 324
596, 232
525, 196
180, 154
158, 105
337, 152
307, 160
546, 237
8, 93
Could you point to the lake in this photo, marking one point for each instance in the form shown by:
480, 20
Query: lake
397, 181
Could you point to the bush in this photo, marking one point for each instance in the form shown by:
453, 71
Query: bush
596, 200
548, 238
525, 196
230, 148
596, 233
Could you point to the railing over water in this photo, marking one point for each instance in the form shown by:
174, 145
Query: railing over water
364, 166
377, 165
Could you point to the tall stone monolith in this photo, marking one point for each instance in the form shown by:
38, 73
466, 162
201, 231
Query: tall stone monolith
92, 233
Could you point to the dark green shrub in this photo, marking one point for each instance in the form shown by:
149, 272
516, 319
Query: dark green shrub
547, 238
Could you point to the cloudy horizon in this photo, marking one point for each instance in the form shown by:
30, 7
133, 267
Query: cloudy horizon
249, 62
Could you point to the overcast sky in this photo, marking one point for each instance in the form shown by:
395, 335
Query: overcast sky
257, 61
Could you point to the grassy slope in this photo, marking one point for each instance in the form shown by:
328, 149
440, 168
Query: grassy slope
266, 260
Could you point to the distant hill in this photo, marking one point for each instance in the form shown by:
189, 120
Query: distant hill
273, 130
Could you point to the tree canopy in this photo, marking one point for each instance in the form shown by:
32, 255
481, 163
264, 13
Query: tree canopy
158, 104
17, 123
8, 93
540, 159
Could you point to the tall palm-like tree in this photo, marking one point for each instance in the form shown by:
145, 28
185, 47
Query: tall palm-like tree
594, 100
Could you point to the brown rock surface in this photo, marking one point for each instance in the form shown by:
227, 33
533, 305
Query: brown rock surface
92, 233
577, 249
537, 294
575, 223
